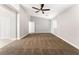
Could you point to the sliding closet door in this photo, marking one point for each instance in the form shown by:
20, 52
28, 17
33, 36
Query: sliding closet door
7, 23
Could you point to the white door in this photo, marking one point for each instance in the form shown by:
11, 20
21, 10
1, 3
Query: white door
31, 27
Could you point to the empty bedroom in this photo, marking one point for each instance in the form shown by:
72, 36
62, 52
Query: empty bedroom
39, 29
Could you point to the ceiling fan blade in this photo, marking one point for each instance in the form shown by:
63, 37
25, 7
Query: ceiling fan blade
45, 9
35, 8
42, 5
36, 11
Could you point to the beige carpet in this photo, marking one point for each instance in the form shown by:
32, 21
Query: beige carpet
39, 44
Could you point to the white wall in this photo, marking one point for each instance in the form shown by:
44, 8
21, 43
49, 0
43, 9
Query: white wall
68, 25
24, 22
7, 23
41, 25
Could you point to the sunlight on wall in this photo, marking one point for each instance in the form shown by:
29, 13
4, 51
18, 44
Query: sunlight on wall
4, 42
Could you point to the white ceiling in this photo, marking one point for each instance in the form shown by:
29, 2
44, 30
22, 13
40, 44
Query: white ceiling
55, 9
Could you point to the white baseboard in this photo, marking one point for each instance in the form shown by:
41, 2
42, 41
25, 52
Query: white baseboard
67, 41
18, 38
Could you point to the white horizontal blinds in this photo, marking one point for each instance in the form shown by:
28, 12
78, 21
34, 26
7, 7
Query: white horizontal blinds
7, 23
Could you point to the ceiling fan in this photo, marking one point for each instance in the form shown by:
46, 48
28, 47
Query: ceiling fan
41, 8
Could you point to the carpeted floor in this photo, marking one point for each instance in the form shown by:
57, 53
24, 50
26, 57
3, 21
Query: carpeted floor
39, 44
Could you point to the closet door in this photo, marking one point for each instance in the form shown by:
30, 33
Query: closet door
7, 23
